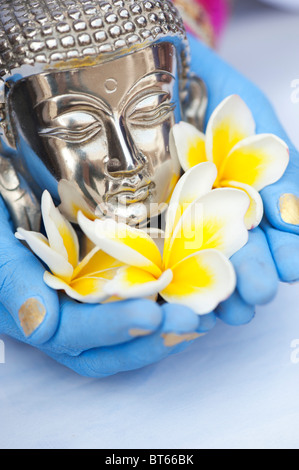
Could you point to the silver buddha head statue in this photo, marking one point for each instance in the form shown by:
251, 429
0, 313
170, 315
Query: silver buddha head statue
90, 91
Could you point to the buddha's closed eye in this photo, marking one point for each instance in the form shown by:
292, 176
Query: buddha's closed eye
73, 127
151, 110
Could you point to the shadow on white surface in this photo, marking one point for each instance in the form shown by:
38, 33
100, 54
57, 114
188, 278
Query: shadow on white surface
236, 387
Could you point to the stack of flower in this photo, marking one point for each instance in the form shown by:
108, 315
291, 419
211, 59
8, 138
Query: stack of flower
203, 229
244, 160
83, 281
204, 226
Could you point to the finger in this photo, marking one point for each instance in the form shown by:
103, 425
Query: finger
85, 327
235, 311
33, 305
141, 352
91, 326
8, 325
285, 251
179, 329
281, 200
257, 279
207, 323
177, 332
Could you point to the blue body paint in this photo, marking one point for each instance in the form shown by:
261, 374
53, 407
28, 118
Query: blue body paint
95, 340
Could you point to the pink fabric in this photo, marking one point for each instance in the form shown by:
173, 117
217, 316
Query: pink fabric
217, 11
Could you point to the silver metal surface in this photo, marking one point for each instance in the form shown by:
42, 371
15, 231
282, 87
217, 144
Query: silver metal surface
24, 208
36, 35
108, 137
95, 129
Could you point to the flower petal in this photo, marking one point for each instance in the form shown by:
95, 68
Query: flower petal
230, 123
157, 235
255, 212
61, 235
194, 184
127, 244
72, 202
215, 221
257, 161
201, 281
131, 282
95, 263
86, 245
187, 237
87, 290
190, 145
40, 246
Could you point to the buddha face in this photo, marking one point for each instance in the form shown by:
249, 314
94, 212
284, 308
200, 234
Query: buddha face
102, 132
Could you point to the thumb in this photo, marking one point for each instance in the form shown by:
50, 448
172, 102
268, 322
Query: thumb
23, 293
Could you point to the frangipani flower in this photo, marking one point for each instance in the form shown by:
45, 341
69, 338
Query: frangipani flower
194, 269
83, 281
72, 201
244, 160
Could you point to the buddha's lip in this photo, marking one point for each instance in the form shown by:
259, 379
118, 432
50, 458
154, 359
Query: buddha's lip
131, 195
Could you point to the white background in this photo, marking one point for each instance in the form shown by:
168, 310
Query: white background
234, 388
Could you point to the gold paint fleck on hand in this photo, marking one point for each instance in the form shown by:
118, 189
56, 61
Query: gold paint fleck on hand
135, 332
31, 315
289, 208
172, 339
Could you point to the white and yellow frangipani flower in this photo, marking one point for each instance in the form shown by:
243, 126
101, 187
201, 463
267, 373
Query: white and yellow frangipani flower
203, 229
83, 281
244, 160
72, 201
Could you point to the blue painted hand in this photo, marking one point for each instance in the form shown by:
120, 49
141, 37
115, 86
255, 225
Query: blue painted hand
273, 250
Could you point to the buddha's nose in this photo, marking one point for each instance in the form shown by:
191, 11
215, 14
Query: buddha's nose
124, 158
114, 166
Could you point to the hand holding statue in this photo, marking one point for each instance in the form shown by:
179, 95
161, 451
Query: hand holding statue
99, 340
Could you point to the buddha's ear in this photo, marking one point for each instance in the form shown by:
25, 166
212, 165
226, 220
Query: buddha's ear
195, 102
7, 142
